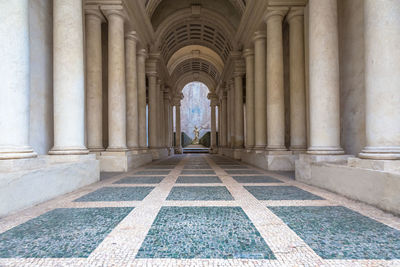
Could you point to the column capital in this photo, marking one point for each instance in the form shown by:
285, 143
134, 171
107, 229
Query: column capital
142, 53
259, 35
295, 12
248, 52
214, 99
113, 10
275, 12
132, 36
95, 13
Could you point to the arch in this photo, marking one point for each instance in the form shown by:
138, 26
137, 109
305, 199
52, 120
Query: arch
182, 29
195, 77
195, 52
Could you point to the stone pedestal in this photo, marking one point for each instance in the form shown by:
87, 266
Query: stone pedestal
123, 161
43, 178
159, 153
377, 165
269, 160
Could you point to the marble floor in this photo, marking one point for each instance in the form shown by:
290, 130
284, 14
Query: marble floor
200, 210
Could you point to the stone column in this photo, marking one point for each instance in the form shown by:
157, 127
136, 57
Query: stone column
228, 114
141, 66
260, 120
238, 109
15, 80
224, 120
324, 78
160, 111
116, 81
166, 119
153, 110
275, 90
68, 78
213, 103
248, 54
231, 112
94, 76
132, 109
382, 79
178, 142
298, 131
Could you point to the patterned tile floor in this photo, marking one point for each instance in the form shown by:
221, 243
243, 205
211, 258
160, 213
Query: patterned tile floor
200, 210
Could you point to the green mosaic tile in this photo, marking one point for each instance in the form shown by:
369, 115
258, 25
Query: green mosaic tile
243, 172
280, 193
153, 172
197, 172
117, 194
204, 232
193, 167
160, 167
141, 180
340, 233
255, 179
61, 233
197, 179
233, 167
199, 193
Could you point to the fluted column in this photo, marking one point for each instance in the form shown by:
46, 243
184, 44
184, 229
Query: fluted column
324, 78
116, 82
152, 110
275, 90
382, 79
141, 66
160, 111
94, 76
231, 113
260, 120
68, 78
248, 54
15, 83
132, 119
238, 109
298, 131
228, 114
223, 120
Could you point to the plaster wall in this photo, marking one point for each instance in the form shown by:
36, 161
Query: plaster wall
41, 72
352, 87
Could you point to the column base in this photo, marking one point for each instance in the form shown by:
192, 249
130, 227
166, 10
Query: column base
278, 160
69, 151
325, 150
96, 149
123, 161
28, 182
117, 149
16, 153
376, 165
381, 153
159, 153
178, 150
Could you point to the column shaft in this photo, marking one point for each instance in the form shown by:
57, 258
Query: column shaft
68, 78
260, 137
141, 66
94, 85
249, 56
132, 109
382, 73
178, 126
166, 116
116, 82
15, 80
324, 78
213, 128
275, 90
298, 131
224, 120
153, 117
231, 113
238, 109
161, 121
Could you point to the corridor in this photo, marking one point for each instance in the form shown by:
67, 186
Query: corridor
202, 210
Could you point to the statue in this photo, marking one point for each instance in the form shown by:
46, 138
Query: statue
196, 132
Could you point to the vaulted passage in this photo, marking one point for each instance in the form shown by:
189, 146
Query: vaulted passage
199, 132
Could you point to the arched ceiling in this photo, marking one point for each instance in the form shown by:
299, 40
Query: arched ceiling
195, 77
159, 10
195, 52
195, 66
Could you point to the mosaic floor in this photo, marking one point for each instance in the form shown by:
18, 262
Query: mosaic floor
200, 210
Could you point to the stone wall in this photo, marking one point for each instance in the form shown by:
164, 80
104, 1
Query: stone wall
41, 67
